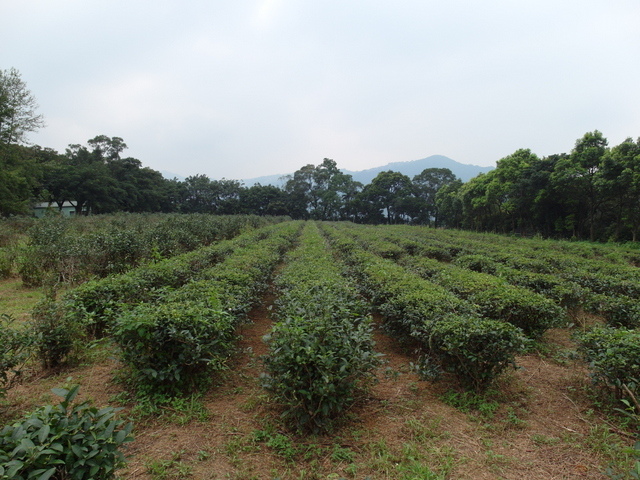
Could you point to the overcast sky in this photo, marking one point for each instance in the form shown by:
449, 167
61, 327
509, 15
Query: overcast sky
244, 88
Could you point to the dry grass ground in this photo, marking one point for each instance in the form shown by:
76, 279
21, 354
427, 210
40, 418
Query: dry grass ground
539, 423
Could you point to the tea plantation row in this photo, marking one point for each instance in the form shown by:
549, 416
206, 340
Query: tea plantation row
469, 307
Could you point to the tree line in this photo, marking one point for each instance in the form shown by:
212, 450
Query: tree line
593, 192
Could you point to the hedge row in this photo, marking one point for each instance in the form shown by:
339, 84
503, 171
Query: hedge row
447, 328
494, 297
599, 279
72, 250
175, 343
321, 349
96, 303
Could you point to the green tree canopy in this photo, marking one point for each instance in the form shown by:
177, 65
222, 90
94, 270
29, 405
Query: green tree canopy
18, 116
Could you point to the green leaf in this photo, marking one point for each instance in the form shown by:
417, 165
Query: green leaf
48, 474
78, 451
43, 433
60, 392
120, 436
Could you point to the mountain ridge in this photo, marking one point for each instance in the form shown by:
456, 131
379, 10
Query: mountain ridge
410, 168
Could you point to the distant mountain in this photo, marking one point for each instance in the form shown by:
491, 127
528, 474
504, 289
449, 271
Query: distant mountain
411, 168
277, 180
171, 175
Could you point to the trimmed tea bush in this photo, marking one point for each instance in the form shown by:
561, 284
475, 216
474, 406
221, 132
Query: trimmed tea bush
494, 297
619, 311
476, 350
174, 344
316, 365
56, 336
436, 319
72, 250
321, 349
175, 347
613, 356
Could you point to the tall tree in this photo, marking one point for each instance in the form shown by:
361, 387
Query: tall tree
18, 107
263, 200
109, 149
391, 195
577, 178
200, 195
319, 192
426, 186
449, 204
621, 180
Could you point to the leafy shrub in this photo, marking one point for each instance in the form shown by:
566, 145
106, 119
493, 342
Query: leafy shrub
172, 348
56, 334
477, 263
607, 283
497, 299
532, 312
613, 356
71, 250
316, 365
176, 341
6, 263
565, 293
321, 349
476, 350
96, 304
447, 328
66, 441
15, 350
30, 269
619, 311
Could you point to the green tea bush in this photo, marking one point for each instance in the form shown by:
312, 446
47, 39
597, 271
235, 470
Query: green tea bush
175, 343
15, 351
173, 348
437, 319
567, 294
316, 365
477, 263
321, 349
66, 441
6, 263
607, 283
476, 350
619, 311
72, 250
531, 312
56, 336
97, 303
613, 356
495, 297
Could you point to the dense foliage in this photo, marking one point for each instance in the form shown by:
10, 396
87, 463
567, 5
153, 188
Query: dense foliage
66, 441
321, 349
174, 347
591, 192
613, 356
449, 332
72, 250
15, 350
466, 303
